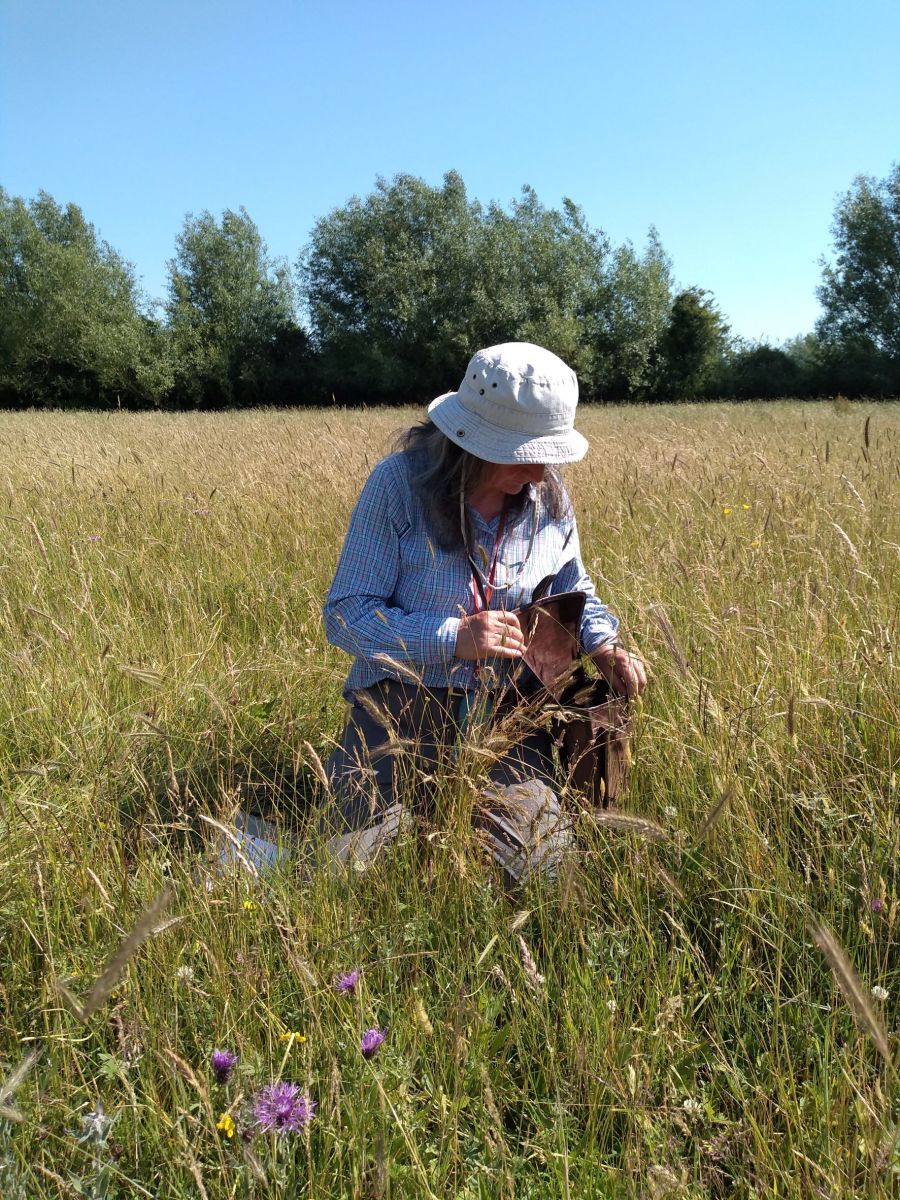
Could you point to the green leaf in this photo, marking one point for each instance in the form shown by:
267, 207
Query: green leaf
262, 709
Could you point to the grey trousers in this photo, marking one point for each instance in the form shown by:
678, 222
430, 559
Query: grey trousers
395, 737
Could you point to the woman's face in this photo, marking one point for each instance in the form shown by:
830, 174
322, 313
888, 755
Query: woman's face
511, 479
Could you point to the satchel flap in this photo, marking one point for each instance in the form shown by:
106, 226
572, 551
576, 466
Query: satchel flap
551, 627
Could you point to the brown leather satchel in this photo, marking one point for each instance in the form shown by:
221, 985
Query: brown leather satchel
589, 723
591, 727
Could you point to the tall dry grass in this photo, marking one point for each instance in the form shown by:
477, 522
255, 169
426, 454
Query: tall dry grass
670, 1019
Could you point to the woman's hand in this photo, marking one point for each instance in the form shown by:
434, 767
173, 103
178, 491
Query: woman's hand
624, 672
490, 634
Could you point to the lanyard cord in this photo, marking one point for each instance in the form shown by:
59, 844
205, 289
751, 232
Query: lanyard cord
485, 585
483, 590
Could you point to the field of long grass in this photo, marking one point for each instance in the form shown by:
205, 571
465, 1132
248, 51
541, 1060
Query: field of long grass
704, 1005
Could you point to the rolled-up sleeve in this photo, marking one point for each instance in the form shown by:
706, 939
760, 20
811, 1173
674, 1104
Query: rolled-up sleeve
598, 624
361, 616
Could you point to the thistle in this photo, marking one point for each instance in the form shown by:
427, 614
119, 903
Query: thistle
347, 984
371, 1042
282, 1108
222, 1063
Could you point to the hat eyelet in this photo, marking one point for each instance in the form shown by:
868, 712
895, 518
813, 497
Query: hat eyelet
481, 392
493, 385
460, 433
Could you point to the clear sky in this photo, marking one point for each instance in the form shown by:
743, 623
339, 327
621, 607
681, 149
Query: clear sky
731, 127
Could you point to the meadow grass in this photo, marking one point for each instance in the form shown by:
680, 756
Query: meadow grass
685, 1015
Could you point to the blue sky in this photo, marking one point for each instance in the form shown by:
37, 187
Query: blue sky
730, 127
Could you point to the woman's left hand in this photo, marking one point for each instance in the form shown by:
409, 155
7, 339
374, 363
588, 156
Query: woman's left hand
623, 671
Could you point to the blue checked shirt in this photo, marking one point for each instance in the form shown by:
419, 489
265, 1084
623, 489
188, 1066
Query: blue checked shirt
397, 595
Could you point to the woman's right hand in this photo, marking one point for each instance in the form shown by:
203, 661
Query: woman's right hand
490, 634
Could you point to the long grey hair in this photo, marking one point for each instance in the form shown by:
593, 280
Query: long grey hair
450, 472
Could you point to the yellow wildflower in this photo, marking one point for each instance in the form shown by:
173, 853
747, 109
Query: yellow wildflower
755, 543
726, 511
287, 1035
745, 507
249, 906
226, 1125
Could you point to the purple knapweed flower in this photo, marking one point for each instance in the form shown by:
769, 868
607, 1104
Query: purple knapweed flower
223, 1063
346, 984
282, 1108
371, 1041
877, 905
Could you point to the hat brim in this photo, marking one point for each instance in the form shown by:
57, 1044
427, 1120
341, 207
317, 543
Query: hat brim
503, 446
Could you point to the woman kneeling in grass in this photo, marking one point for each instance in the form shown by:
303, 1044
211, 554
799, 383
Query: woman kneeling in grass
450, 538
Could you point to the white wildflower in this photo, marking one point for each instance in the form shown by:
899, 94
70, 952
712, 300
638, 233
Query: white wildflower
96, 1126
692, 1105
184, 975
612, 1006
879, 992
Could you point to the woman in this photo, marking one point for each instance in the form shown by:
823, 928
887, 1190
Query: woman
450, 536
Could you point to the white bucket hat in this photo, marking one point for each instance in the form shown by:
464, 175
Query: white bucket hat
515, 405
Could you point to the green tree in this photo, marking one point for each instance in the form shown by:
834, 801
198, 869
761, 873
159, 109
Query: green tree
762, 372
401, 287
632, 319
392, 287
860, 290
546, 280
231, 317
73, 329
692, 349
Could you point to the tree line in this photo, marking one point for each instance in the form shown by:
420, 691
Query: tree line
392, 293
